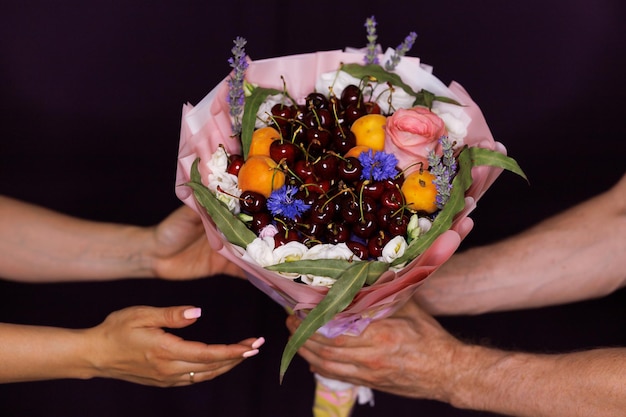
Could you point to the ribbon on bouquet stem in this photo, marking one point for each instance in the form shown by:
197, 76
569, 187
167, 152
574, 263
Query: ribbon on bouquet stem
335, 398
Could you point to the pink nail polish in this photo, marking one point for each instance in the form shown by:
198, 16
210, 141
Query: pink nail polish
258, 343
192, 313
250, 353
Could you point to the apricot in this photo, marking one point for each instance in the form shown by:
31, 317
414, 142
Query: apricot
262, 139
261, 174
420, 192
369, 131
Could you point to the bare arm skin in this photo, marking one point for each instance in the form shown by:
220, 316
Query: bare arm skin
37, 245
576, 255
129, 345
413, 356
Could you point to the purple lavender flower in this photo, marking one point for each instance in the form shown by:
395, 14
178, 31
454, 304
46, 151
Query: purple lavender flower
282, 203
378, 166
236, 95
371, 57
444, 169
400, 51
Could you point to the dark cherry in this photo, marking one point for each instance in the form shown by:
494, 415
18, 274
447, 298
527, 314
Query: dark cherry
372, 107
365, 226
392, 198
371, 189
284, 150
235, 161
350, 210
284, 237
252, 202
326, 167
376, 244
397, 225
259, 221
303, 168
384, 216
282, 114
337, 233
353, 112
320, 118
358, 248
316, 100
322, 211
343, 139
320, 138
351, 95
349, 169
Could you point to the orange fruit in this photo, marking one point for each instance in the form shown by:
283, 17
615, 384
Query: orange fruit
261, 140
356, 151
420, 192
261, 174
369, 130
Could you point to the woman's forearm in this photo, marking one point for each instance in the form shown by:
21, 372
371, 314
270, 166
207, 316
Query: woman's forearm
37, 244
576, 255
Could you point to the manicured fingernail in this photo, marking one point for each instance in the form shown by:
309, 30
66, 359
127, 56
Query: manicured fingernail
192, 313
258, 343
250, 353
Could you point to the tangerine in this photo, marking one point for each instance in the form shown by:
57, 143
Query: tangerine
261, 140
369, 131
355, 151
420, 192
261, 174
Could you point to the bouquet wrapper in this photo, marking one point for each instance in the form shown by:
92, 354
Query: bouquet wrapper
207, 125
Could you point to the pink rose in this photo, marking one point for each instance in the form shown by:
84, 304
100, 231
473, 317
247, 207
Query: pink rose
412, 133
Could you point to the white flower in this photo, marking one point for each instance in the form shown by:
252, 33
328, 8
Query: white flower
316, 281
260, 250
417, 226
455, 124
393, 249
268, 231
400, 99
329, 251
224, 185
337, 80
289, 252
218, 162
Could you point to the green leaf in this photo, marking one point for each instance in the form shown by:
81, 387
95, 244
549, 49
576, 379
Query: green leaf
468, 158
233, 229
251, 108
381, 75
339, 296
332, 268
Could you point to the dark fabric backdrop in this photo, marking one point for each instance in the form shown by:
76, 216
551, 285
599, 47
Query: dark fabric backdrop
90, 99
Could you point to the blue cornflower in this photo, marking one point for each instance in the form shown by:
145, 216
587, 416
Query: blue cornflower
400, 51
372, 50
444, 169
282, 203
236, 83
378, 166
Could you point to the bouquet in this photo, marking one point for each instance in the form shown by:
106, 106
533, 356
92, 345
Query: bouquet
338, 180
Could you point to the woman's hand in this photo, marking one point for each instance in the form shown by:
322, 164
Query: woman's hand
131, 345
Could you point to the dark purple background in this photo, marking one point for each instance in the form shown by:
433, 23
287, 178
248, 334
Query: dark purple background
90, 99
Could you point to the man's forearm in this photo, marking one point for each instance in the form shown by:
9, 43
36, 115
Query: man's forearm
578, 384
575, 255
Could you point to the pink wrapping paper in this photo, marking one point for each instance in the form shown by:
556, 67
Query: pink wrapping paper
207, 125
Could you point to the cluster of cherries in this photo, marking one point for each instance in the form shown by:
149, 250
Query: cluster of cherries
344, 208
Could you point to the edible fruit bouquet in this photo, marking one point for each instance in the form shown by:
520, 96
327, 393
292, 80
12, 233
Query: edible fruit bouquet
338, 180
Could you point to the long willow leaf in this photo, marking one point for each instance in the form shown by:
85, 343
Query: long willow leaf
251, 108
468, 158
339, 296
332, 268
233, 229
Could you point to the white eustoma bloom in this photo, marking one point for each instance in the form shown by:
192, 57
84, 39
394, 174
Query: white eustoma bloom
418, 226
325, 251
456, 126
268, 231
223, 184
289, 252
393, 249
260, 251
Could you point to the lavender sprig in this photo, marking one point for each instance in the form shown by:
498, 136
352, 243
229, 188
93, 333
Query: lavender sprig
444, 169
236, 83
371, 57
400, 51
